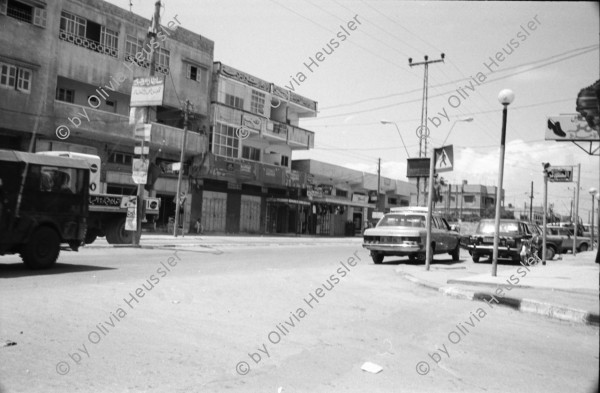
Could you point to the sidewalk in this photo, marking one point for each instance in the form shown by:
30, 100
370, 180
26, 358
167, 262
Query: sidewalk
565, 289
152, 240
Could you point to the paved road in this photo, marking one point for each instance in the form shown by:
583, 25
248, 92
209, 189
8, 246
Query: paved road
204, 312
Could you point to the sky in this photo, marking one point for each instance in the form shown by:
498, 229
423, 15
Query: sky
366, 78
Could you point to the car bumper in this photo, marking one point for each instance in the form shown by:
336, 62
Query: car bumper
503, 251
393, 249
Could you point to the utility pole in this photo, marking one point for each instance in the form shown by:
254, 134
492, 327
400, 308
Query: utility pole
462, 192
186, 118
576, 210
140, 189
378, 183
531, 204
423, 130
545, 219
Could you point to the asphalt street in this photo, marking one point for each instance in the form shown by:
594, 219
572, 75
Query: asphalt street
268, 319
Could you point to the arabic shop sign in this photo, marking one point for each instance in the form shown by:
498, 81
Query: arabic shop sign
147, 91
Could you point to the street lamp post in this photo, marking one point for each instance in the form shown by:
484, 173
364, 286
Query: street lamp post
593, 193
466, 119
506, 97
399, 133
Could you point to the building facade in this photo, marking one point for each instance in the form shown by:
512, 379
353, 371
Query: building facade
343, 200
245, 183
66, 73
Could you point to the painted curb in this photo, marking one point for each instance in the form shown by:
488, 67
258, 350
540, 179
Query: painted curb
548, 310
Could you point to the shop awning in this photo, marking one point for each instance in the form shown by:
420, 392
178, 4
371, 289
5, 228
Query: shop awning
288, 201
344, 202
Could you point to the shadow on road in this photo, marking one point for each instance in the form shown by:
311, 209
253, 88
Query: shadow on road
14, 270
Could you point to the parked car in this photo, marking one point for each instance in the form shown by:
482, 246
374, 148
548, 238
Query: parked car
513, 234
402, 232
566, 233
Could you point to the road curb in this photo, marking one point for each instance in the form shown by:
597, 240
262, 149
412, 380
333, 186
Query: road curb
553, 311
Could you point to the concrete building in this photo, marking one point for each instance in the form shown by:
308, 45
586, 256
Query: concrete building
342, 199
246, 182
467, 201
67, 68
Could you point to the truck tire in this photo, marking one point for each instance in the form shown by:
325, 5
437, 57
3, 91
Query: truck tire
476, 257
41, 252
116, 233
583, 247
90, 236
111, 232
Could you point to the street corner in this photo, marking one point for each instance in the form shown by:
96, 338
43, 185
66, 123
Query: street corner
418, 281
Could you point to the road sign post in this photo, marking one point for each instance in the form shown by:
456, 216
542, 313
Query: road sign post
442, 159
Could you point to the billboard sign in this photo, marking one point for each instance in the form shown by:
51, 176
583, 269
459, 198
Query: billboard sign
560, 174
570, 128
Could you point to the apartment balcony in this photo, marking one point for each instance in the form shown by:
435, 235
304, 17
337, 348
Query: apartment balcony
297, 138
87, 123
237, 170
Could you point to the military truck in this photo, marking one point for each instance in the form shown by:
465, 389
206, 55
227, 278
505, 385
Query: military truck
108, 212
43, 206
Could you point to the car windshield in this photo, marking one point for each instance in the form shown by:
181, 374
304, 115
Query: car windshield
402, 220
505, 227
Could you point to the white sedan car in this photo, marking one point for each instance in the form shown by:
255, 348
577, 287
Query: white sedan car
403, 233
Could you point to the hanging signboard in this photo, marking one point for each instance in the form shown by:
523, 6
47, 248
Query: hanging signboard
140, 170
147, 91
417, 167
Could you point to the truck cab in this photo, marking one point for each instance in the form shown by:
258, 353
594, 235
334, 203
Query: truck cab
43, 204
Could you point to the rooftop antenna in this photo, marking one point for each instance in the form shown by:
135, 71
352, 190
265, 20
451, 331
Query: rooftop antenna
130, 5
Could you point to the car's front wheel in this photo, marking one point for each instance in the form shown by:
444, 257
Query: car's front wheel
377, 258
475, 257
456, 253
550, 253
583, 247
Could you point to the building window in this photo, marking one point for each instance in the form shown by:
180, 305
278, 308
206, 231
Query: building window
8, 75
72, 24
120, 189
94, 101
65, 95
469, 198
251, 153
14, 77
23, 12
285, 161
393, 201
341, 193
195, 73
234, 101
20, 11
109, 38
225, 141
88, 34
163, 57
257, 102
120, 158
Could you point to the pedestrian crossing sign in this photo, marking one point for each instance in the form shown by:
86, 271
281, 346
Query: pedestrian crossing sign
444, 159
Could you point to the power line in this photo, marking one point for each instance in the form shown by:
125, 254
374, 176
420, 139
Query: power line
584, 50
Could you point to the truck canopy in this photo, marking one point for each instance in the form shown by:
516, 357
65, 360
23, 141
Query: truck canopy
31, 158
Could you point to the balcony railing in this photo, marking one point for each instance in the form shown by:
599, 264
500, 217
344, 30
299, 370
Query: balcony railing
111, 127
88, 44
